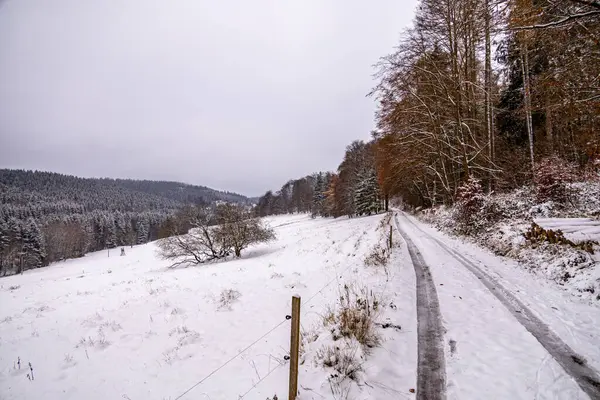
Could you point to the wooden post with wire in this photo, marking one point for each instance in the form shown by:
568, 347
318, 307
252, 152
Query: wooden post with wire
391, 243
294, 347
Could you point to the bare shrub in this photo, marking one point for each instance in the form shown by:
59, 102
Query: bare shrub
197, 246
227, 298
14, 287
347, 360
238, 228
551, 176
356, 317
212, 237
469, 201
378, 257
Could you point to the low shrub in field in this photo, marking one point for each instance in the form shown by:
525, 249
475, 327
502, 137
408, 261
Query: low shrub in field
346, 360
356, 317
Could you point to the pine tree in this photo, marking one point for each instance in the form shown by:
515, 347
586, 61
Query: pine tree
317, 200
4, 243
111, 234
34, 248
367, 194
142, 231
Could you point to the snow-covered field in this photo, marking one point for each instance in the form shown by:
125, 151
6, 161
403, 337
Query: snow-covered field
128, 327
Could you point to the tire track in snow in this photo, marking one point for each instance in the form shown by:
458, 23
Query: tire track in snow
586, 377
431, 364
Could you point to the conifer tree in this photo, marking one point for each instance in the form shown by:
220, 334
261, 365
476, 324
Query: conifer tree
142, 231
367, 194
34, 248
318, 195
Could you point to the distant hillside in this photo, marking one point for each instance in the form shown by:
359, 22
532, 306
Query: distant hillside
47, 217
181, 192
57, 193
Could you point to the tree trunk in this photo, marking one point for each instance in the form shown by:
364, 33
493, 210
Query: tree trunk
549, 133
527, 98
488, 91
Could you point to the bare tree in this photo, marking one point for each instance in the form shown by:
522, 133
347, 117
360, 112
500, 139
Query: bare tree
198, 245
236, 229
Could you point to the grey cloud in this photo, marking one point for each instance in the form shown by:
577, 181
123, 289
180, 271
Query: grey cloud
236, 95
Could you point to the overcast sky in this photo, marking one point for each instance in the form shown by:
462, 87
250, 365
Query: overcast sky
236, 95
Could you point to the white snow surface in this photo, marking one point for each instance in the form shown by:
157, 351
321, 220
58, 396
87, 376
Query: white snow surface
111, 327
575, 229
130, 328
496, 357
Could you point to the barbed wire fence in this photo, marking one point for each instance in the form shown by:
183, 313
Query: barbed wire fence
256, 341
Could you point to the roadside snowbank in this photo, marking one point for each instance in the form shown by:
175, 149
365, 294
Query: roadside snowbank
500, 221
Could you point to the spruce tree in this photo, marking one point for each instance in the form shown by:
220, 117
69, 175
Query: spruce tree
4, 243
367, 194
316, 206
142, 231
34, 249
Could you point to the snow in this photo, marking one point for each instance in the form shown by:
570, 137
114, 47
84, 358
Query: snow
504, 217
575, 229
130, 328
106, 326
495, 356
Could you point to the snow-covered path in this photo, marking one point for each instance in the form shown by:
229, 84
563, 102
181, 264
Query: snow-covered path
500, 341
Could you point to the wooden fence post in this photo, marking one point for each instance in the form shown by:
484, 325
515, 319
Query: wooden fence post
294, 347
391, 243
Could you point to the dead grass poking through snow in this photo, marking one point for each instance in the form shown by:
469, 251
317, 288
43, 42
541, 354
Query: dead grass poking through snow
353, 331
227, 298
382, 251
347, 360
356, 316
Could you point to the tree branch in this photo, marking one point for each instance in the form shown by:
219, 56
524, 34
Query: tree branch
559, 23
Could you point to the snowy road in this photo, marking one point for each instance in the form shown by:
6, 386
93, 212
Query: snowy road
497, 346
431, 374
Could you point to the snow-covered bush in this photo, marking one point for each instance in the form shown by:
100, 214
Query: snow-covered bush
551, 177
585, 197
469, 201
500, 222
